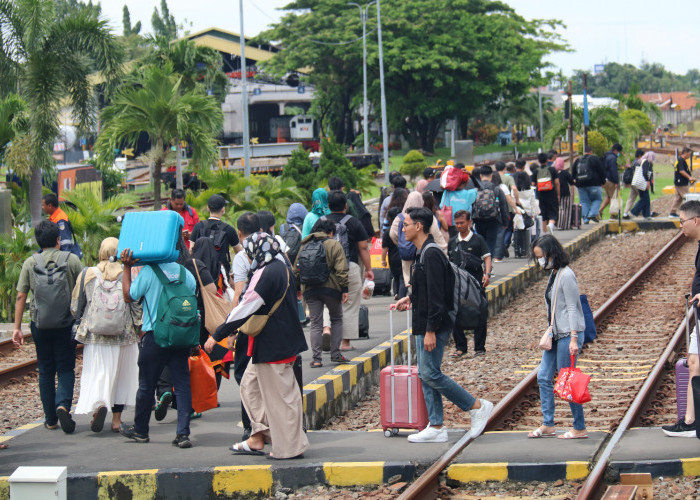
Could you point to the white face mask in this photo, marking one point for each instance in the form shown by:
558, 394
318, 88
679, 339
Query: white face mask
542, 262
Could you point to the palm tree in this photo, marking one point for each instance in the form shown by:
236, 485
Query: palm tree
14, 250
605, 120
50, 61
156, 105
13, 120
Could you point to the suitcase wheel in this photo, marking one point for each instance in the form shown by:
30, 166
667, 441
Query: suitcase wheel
395, 431
388, 433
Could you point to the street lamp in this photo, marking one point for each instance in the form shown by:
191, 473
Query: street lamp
365, 110
385, 134
244, 104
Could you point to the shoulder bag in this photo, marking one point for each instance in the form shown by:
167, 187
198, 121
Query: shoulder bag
257, 322
546, 340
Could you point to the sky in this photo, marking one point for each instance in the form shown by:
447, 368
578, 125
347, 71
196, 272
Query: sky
598, 31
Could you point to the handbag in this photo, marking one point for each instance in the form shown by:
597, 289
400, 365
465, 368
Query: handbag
447, 214
216, 309
257, 322
546, 340
638, 180
615, 203
202, 383
572, 384
527, 220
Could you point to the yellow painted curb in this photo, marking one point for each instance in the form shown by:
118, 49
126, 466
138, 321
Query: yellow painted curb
321, 394
4, 488
337, 383
466, 473
140, 484
231, 480
576, 470
691, 466
353, 473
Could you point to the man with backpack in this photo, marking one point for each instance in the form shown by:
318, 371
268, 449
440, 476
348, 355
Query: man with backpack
681, 180
322, 272
490, 209
353, 238
49, 204
291, 231
432, 292
546, 183
470, 252
176, 203
222, 235
589, 176
50, 275
612, 176
170, 329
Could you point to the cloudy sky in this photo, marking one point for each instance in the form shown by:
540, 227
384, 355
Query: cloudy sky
621, 31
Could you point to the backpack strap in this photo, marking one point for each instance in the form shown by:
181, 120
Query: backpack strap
39, 261
425, 248
295, 227
81, 298
345, 220
62, 258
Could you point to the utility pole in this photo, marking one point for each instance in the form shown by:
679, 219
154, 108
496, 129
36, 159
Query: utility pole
585, 112
385, 134
571, 127
539, 98
365, 106
244, 102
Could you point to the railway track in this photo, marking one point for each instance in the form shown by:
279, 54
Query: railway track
626, 367
24, 367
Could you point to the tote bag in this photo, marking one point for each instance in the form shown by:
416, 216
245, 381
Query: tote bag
572, 384
638, 180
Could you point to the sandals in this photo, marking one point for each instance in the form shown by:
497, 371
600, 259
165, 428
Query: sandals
98, 419
458, 354
340, 359
538, 433
571, 435
316, 364
243, 448
3, 446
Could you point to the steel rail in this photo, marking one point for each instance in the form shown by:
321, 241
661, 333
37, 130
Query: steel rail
425, 487
592, 486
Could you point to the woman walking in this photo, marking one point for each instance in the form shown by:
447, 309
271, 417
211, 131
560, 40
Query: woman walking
109, 333
567, 325
319, 208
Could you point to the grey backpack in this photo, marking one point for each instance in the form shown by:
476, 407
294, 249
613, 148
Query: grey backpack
52, 293
108, 314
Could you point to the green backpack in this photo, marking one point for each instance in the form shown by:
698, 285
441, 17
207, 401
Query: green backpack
176, 324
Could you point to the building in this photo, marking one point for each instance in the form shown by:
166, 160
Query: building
676, 107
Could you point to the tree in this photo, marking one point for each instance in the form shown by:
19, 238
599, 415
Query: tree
126, 22
155, 105
413, 164
333, 162
598, 143
442, 58
300, 170
163, 23
13, 121
14, 250
53, 59
605, 120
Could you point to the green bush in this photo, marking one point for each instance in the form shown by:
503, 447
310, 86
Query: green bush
334, 163
597, 142
413, 164
301, 171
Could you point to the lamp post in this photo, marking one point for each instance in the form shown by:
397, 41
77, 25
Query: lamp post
385, 134
365, 107
244, 102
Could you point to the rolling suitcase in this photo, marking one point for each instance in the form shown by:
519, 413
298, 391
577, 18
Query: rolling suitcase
682, 371
576, 215
400, 393
382, 280
151, 236
364, 322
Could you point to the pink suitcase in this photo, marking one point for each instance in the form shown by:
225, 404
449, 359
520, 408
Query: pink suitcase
400, 393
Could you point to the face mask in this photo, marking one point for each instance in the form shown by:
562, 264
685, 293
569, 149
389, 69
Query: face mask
543, 263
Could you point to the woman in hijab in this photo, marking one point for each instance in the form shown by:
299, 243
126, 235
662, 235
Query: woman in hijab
269, 391
415, 199
319, 208
649, 156
291, 231
110, 358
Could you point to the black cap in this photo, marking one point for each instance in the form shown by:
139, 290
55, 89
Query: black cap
216, 203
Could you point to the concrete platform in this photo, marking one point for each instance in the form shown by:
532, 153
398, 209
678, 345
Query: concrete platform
648, 449
512, 456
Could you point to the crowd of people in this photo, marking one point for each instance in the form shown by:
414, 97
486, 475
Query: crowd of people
318, 263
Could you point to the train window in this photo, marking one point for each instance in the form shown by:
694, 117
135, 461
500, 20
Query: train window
66, 183
293, 124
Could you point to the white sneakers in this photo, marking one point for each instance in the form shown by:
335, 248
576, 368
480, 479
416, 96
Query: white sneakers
480, 418
429, 435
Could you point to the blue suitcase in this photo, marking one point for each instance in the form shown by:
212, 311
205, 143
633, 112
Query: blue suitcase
151, 236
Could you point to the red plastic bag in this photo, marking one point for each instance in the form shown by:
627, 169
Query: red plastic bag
572, 385
452, 177
202, 383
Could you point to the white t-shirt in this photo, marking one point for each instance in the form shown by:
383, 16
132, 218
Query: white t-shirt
240, 267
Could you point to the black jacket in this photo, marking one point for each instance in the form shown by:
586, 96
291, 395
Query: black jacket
598, 178
611, 172
432, 284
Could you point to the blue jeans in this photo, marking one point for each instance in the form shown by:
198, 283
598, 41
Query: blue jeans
489, 230
643, 205
152, 360
55, 354
552, 361
590, 197
435, 383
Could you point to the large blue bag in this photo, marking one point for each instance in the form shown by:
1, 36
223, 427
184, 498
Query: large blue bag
590, 333
151, 236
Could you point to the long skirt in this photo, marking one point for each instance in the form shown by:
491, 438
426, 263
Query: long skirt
110, 376
565, 204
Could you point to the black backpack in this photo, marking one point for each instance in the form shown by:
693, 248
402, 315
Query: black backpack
292, 238
486, 203
312, 264
628, 174
215, 231
341, 233
584, 172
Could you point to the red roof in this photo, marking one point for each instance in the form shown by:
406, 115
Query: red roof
664, 100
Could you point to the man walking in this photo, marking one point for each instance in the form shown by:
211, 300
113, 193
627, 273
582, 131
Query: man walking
690, 225
49, 204
589, 176
612, 176
681, 180
223, 235
50, 275
352, 236
470, 252
176, 203
432, 286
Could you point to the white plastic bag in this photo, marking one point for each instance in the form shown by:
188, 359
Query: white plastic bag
518, 222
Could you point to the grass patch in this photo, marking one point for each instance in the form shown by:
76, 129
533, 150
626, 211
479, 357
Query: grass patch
396, 158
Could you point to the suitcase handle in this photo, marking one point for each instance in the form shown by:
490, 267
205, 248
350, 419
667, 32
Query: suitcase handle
697, 327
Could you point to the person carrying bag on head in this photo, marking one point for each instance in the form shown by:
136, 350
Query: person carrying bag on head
564, 337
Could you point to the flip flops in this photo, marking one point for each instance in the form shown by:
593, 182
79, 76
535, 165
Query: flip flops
571, 435
98, 419
537, 433
3, 446
242, 448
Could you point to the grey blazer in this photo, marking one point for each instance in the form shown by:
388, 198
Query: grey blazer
568, 314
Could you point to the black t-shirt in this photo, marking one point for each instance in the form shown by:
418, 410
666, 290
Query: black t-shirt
565, 180
476, 246
356, 233
681, 166
205, 228
552, 173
